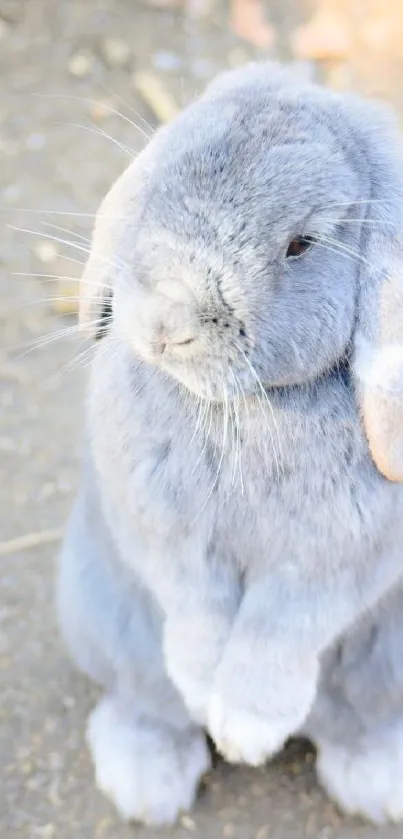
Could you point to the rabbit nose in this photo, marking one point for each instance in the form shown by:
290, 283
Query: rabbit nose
160, 347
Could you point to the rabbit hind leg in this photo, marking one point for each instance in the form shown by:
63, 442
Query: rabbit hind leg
147, 752
357, 721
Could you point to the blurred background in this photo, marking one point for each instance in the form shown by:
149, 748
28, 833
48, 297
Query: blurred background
83, 84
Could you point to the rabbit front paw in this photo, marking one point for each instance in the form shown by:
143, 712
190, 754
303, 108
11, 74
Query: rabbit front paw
191, 659
245, 736
251, 725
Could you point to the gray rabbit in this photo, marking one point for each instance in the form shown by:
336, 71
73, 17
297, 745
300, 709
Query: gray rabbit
234, 560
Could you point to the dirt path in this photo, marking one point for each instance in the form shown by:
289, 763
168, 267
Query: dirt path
61, 49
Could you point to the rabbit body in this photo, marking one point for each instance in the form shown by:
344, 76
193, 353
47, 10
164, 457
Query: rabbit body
233, 560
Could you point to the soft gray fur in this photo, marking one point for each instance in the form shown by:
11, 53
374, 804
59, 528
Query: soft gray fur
232, 536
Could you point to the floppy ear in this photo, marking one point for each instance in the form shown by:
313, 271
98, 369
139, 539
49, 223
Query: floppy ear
98, 278
117, 216
379, 372
378, 341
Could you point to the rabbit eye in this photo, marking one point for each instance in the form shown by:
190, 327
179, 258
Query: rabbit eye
299, 246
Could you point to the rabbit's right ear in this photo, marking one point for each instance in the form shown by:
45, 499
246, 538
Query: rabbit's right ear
378, 341
379, 372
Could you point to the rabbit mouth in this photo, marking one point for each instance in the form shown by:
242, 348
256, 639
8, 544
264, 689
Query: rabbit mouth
212, 382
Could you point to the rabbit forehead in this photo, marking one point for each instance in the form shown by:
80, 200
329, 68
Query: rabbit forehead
286, 147
276, 196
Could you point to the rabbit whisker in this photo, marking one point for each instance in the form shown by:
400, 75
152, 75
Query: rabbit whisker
237, 423
223, 450
87, 250
359, 221
352, 203
206, 430
49, 236
48, 300
131, 153
108, 108
335, 246
69, 213
81, 361
266, 399
131, 109
78, 280
85, 239
197, 425
46, 340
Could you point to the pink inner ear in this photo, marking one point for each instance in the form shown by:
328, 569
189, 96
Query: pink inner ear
383, 414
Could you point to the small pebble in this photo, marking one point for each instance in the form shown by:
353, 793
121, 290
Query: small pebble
295, 768
187, 823
46, 251
116, 52
228, 831
81, 64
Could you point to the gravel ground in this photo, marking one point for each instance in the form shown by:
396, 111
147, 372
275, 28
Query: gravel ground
55, 56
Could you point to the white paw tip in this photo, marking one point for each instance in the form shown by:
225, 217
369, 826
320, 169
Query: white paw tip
243, 737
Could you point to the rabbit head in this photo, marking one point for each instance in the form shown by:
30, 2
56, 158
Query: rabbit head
258, 237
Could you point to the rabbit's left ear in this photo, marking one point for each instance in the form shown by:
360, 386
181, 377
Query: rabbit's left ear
378, 343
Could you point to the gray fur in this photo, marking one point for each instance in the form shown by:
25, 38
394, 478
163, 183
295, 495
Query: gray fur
233, 536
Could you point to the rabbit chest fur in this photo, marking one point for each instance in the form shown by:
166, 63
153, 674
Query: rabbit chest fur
240, 484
